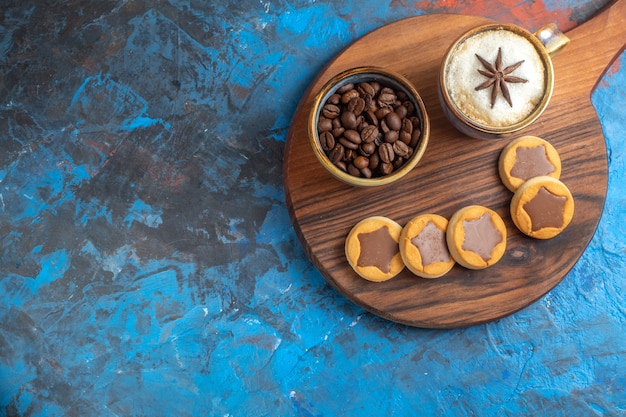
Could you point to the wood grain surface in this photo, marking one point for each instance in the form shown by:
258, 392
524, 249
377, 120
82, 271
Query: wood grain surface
457, 171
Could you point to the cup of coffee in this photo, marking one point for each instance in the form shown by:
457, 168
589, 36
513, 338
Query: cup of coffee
497, 79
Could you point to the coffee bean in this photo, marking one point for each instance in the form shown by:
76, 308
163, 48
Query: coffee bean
367, 149
369, 133
338, 131
327, 141
401, 111
382, 112
361, 162
356, 105
331, 111
383, 126
386, 98
349, 95
401, 149
393, 120
348, 120
353, 136
344, 88
352, 170
415, 138
334, 99
407, 126
366, 89
341, 165
349, 154
348, 144
398, 162
385, 152
370, 117
410, 107
336, 154
366, 172
392, 136
405, 137
324, 124
385, 168
374, 161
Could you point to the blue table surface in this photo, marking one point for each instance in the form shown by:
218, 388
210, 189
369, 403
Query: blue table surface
148, 266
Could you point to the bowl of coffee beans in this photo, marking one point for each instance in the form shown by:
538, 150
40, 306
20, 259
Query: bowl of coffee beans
368, 126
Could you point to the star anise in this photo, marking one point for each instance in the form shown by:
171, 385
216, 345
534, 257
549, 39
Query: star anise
498, 77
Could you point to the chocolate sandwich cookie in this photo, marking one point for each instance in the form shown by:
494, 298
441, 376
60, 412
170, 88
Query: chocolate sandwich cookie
372, 248
476, 237
542, 207
423, 246
525, 158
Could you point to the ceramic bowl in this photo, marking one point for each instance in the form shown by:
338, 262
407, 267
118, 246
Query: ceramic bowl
385, 78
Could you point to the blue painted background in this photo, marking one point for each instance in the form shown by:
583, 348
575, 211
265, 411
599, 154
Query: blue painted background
148, 266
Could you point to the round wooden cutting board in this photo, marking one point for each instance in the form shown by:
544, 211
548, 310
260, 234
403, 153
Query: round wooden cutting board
457, 171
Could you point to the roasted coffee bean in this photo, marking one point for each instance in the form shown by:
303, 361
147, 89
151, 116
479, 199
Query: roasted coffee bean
370, 117
349, 154
393, 120
353, 136
386, 98
348, 144
344, 88
324, 125
385, 152
383, 126
410, 107
401, 111
341, 165
349, 95
331, 111
334, 99
348, 120
407, 126
352, 170
366, 172
385, 168
401, 149
382, 112
338, 131
392, 136
398, 162
327, 141
367, 102
336, 154
367, 149
369, 133
361, 162
415, 138
405, 137
374, 161
356, 105
366, 89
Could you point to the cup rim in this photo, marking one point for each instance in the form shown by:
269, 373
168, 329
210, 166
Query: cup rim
539, 108
367, 73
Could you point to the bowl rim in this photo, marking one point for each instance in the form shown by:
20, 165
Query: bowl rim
364, 73
499, 131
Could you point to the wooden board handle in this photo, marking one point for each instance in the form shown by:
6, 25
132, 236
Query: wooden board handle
594, 46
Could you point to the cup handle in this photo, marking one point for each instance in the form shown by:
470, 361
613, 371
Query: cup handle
552, 38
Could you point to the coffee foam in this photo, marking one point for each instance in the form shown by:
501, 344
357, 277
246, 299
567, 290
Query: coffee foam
462, 77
